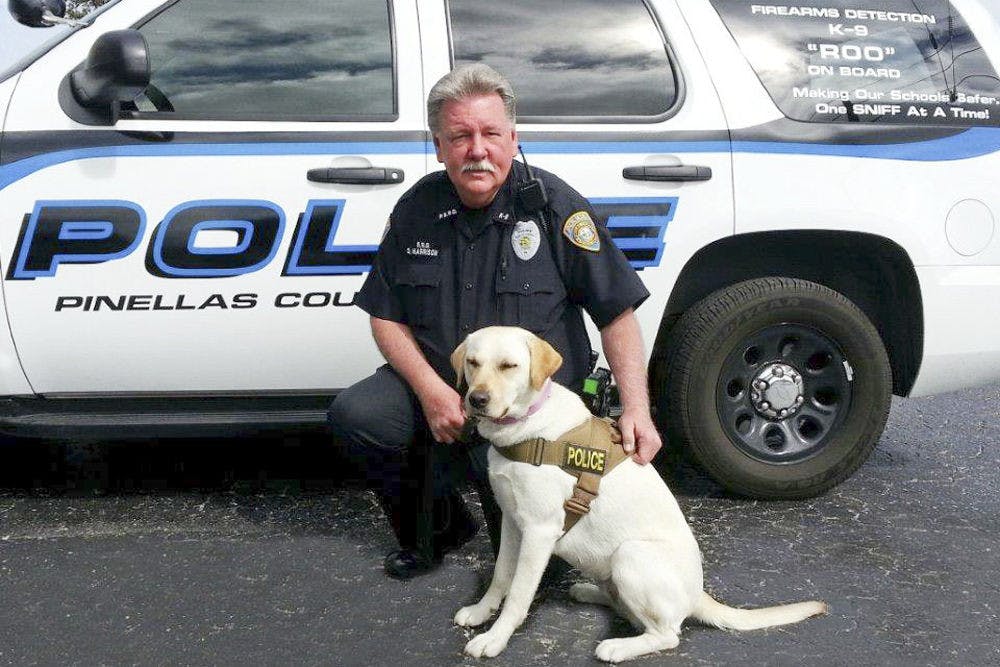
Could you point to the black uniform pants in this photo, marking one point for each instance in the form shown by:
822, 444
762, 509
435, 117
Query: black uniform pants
383, 428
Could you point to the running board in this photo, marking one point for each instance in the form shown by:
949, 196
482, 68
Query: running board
117, 417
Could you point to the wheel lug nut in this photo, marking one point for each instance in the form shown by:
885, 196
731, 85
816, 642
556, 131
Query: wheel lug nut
765, 405
798, 400
778, 371
783, 413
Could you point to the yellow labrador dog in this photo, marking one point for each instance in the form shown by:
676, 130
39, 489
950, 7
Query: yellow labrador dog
634, 542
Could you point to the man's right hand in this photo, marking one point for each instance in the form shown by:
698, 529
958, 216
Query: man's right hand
443, 410
441, 403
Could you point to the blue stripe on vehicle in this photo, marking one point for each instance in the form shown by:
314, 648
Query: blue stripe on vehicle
972, 142
18, 170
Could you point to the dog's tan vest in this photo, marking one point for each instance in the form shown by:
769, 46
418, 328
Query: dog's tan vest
588, 452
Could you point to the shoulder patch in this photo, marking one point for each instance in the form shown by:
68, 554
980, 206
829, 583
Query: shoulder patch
579, 228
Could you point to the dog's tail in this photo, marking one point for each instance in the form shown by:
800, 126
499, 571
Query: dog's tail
712, 612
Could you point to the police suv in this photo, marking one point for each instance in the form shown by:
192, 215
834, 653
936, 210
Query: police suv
192, 191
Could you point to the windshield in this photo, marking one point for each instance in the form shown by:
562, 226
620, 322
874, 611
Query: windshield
22, 45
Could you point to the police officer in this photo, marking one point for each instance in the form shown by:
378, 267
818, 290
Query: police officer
466, 248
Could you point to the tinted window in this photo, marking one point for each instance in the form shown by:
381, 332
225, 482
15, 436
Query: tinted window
892, 61
585, 58
262, 59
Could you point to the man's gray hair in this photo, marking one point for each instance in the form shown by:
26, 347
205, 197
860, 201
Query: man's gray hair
466, 81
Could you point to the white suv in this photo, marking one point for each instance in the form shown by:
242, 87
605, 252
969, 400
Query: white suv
192, 192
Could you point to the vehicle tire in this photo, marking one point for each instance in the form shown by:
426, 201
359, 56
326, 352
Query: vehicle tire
743, 354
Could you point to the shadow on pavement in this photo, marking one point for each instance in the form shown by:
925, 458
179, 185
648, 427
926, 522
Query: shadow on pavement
267, 463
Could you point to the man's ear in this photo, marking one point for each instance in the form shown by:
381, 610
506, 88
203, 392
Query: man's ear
437, 149
545, 361
458, 363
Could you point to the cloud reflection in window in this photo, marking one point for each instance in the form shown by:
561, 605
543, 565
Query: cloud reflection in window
584, 58
256, 58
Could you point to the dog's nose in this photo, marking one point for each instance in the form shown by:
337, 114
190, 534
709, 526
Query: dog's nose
479, 399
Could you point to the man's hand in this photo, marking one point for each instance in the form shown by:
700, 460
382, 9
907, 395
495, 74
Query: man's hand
443, 409
639, 435
441, 404
622, 341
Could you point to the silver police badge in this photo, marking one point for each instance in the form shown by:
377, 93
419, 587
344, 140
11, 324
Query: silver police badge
525, 239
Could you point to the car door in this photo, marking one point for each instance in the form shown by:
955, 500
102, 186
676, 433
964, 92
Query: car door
211, 236
613, 98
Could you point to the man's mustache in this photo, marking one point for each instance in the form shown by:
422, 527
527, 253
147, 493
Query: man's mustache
480, 165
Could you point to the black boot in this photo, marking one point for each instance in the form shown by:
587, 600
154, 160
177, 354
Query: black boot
453, 527
492, 514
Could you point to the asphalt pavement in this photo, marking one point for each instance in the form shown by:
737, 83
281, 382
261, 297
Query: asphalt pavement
263, 552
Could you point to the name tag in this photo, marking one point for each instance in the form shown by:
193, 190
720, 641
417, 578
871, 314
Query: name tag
585, 459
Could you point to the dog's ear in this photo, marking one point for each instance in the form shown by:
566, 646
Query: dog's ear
545, 361
458, 363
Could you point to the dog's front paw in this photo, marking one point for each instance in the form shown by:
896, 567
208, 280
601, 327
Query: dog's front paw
487, 645
473, 615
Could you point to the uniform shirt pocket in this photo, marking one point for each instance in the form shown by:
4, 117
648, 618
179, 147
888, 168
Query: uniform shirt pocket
419, 290
530, 295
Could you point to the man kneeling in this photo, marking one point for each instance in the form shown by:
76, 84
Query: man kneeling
464, 250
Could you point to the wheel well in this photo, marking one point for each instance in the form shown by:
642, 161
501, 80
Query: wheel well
872, 271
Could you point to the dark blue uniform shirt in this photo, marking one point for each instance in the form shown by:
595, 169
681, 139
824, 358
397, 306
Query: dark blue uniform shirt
446, 270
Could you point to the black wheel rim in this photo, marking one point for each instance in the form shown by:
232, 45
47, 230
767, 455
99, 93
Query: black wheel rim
825, 377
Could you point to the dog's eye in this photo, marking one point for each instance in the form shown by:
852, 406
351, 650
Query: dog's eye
473, 363
507, 365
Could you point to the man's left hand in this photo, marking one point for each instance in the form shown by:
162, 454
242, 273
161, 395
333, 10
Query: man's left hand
639, 435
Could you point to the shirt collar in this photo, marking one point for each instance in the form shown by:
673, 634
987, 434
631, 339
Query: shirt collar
472, 222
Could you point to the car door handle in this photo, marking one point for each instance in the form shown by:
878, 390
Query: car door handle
681, 172
356, 175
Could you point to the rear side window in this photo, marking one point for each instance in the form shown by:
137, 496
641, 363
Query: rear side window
570, 60
894, 61
256, 59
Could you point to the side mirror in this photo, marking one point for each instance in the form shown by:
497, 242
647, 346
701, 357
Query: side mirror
116, 70
32, 12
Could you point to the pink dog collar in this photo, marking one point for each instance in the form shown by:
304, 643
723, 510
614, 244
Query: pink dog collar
532, 409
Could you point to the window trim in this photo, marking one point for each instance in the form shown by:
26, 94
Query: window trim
680, 89
297, 118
